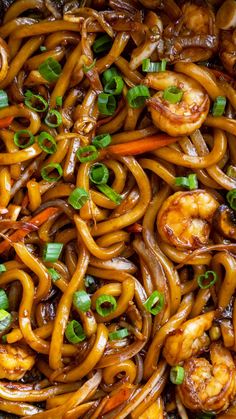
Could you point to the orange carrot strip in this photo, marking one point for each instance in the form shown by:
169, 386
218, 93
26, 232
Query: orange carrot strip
132, 148
120, 397
35, 221
5, 122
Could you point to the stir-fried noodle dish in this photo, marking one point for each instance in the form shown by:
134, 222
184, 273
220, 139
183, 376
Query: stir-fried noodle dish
118, 209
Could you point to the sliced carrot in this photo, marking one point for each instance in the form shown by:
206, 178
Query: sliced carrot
5, 122
144, 145
35, 222
118, 398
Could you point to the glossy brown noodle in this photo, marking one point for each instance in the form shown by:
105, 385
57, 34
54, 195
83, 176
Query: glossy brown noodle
160, 237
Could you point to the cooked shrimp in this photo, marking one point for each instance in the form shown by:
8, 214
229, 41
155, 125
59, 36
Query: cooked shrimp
209, 386
185, 218
183, 117
189, 340
15, 361
228, 51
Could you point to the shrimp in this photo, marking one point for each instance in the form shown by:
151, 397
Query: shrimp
183, 117
185, 218
15, 361
228, 51
209, 386
189, 340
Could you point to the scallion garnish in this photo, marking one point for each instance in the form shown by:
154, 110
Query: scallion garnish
207, 279
78, 198
22, 135
109, 74
231, 198
173, 94
189, 182
52, 251
50, 69
42, 48
4, 302
114, 86
2, 268
119, 334
99, 174
155, 303
105, 305
231, 171
150, 67
44, 138
86, 68
137, 96
90, 283
45, 169
87, 153
102, 44
219, 106
54, 274
3, 99
74, 332
110, 193
53, 114
177, 375
81, 300
31, 101
59, 101
101, 141
106, 104
5, 320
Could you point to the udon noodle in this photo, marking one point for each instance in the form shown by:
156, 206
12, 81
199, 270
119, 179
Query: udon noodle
117, 209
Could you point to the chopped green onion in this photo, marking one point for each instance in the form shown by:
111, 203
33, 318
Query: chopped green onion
163, 65
81, 300
101, 141
31, 101
155, 303
57, 115
110, 305
5, 319
4, 339
208, 415
99, 173
56, 166
204, 281
109, 74
22, 135
52, 251
86, 68
78, 198
54, 274
4, 303
106, 104
114, 86
182, 181
90, 283
219, 106
231, 198
50, 69
118, 334
150, 67
137, 96
189, 182
42, 48
45, 137
3, 99
173, 94
2, 268
102, 44
59, 100
74, 332
177, 375
87, 153
231, 171
110, 193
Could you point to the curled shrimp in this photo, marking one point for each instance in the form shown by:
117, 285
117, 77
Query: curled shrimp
183, 117
189, 340
209, 386
15, 361
185, 218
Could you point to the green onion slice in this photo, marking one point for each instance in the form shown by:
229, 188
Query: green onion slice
35, 102
155, 303
5, 320
42, 48
189, 182
173, 94
54, 274
193, 183
208, 415
4, 339
52, 115
219, 106
57, 167
101, 141
78, 198
86, 68
59, 100
90, 283
106, 104
105, 305
81, 300
109, 74
110, 193
102, 44
87, 153
231, 198
99, 174
45, 137
50, 69
52, 251
3, 99
4, 302
207, 279
2, 268
114, 86
177, 375
137, 96
150, 67
74, 332
231, 171
118, 334
21, 136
